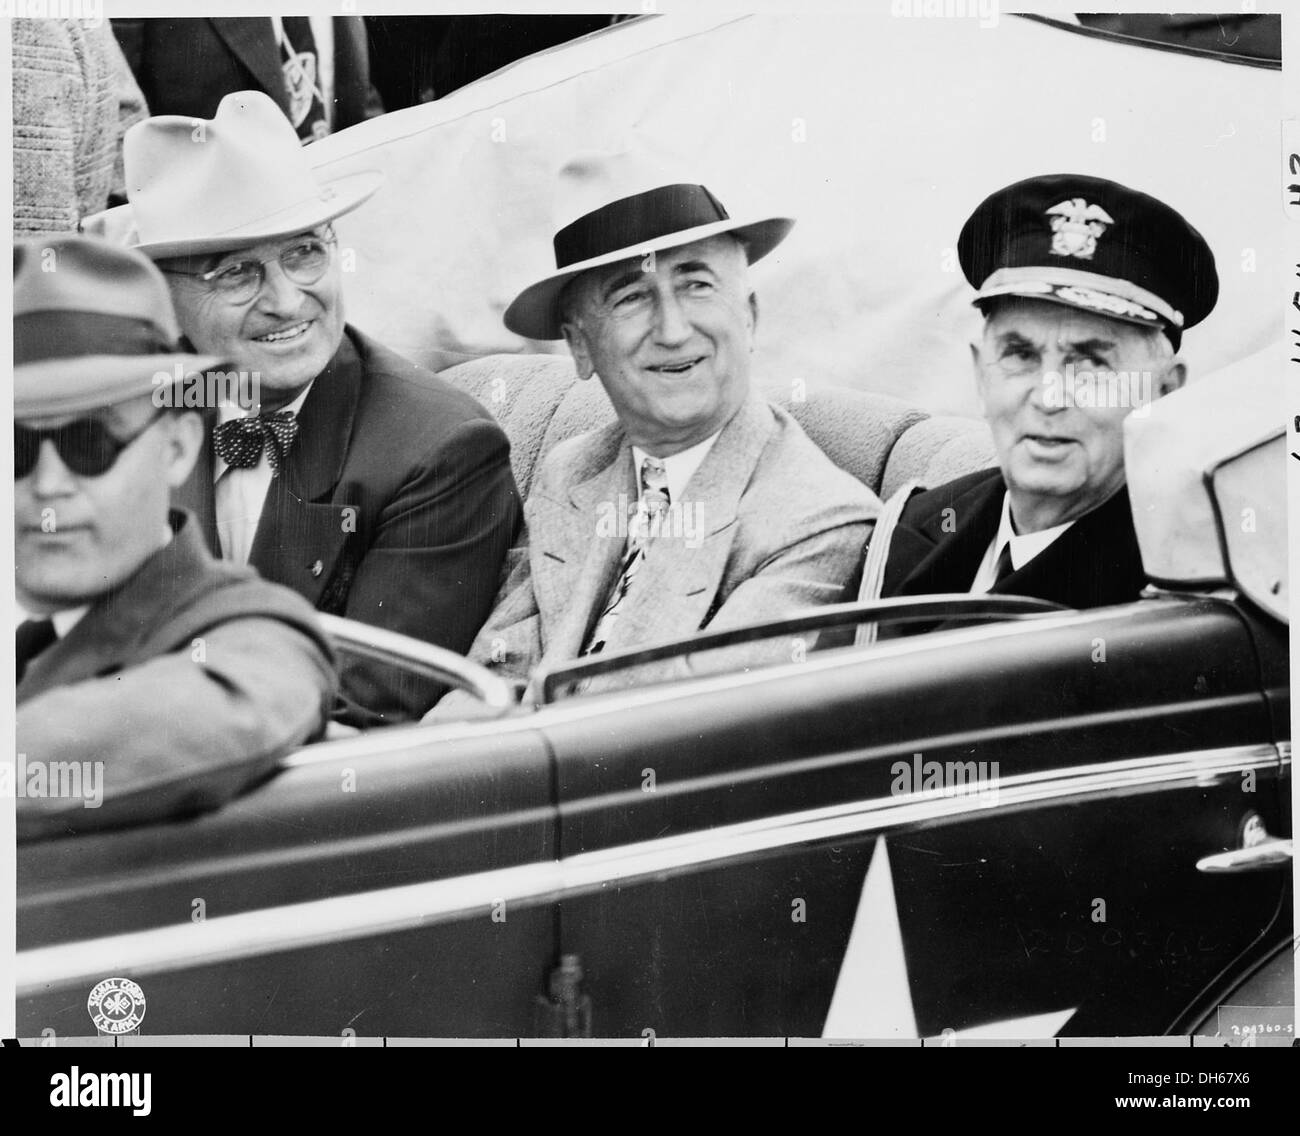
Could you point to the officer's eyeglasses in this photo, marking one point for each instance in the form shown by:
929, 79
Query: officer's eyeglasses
304, 262
85, 446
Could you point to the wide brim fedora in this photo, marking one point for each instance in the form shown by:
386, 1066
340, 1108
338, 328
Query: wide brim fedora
337, 197
623, 204
535, 314
57, 387
200, 186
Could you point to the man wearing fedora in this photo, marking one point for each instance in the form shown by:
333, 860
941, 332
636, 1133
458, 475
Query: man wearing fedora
153, 678
1086, 287
735, 515
365, 483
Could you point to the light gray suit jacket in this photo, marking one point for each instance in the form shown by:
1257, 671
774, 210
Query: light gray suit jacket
783, 528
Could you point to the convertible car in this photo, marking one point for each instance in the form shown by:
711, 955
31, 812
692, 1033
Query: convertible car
1034, 822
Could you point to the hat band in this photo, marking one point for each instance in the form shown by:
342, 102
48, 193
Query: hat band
635, 220
1005, 279
39, 336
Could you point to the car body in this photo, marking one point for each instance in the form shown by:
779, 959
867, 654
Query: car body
1033, 823
1072, 822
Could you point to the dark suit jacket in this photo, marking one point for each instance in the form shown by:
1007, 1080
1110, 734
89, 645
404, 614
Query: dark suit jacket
188, 66
396, 507
1095, 562
188, 682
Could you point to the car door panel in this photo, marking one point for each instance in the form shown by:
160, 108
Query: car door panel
388, 856
1008, 919
1120, 741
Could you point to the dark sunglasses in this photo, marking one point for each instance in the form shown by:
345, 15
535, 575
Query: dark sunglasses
85, 446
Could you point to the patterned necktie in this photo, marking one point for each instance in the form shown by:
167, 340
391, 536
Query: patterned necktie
239, 442
300, 62
32, 637
650, 510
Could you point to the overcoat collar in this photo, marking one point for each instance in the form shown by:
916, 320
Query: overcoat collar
118, 623
303, 528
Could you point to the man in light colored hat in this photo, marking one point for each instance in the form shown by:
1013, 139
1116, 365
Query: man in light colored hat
703, 505
152, 680
1086, 288
365, 483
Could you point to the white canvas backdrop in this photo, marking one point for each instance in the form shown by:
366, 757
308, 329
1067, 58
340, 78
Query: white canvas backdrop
879, 134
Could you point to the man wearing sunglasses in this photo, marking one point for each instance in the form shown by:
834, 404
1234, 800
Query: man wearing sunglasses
365, 483
165, 678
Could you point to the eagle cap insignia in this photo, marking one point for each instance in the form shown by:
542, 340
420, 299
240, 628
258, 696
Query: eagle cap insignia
1076, 225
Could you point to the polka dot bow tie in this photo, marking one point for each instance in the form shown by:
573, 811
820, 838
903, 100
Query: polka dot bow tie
239, 442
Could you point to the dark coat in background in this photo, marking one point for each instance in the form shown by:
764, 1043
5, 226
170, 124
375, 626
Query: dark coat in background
188, 66
188, 682
395, 507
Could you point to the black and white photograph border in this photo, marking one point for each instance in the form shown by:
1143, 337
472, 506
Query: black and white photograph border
571, 640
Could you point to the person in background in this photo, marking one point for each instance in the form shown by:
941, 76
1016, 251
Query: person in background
315, 68
74, 98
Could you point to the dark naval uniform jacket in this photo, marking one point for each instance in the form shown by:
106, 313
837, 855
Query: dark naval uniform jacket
944, 533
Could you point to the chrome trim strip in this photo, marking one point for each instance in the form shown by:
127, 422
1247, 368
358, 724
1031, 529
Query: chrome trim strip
409, 736
381, 645
341, 918
615, 702
837, 617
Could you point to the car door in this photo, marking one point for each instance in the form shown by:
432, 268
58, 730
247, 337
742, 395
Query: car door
720, 833
1144, 749
395, 884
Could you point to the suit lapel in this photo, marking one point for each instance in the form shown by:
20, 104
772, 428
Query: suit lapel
248, 39
1095, 561
197, 495
578, 541
954, 556
676, 586
302, 530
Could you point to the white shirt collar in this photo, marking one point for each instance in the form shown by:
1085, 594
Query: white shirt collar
1023, 548
680, 468
64, 621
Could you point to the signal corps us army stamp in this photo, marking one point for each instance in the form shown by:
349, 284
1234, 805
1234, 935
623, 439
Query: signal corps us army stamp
116, 1006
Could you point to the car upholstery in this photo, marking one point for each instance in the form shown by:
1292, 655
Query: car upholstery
881, 440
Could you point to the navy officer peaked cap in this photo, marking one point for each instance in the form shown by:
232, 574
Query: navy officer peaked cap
1091, 244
